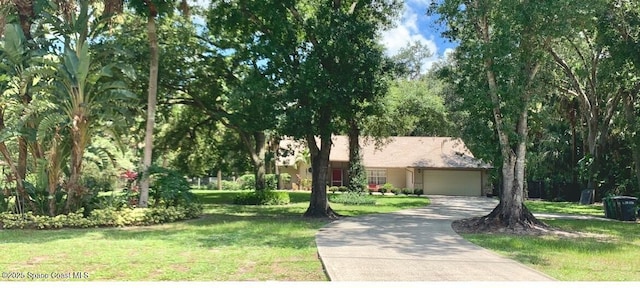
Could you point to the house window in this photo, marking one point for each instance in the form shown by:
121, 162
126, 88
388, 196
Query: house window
377, 176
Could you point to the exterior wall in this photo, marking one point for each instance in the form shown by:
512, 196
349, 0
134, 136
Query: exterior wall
410, 175
459, 182
302, 171
397, 177
418, 178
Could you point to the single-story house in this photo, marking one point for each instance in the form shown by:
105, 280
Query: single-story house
438, 165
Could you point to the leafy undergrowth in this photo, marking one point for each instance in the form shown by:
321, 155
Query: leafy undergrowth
106, 217
229, 243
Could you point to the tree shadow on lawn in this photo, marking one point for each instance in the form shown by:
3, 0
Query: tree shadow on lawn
210, 231
536, 246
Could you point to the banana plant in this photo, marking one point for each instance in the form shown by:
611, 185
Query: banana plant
89, 92
20, 72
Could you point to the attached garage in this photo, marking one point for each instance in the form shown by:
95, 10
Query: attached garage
452, 182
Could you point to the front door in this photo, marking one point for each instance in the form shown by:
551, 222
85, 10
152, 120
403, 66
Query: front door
336, 177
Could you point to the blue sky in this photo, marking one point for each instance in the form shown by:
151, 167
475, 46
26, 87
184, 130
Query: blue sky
412, 25
415, 25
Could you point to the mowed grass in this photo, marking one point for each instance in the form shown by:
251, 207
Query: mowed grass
229, 243
607, 250
537, 206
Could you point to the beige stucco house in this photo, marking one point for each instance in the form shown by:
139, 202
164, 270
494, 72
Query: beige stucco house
438, 165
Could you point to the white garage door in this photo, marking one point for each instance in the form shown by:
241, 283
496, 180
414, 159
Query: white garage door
454, 183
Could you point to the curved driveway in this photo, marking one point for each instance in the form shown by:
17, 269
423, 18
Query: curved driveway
415, 245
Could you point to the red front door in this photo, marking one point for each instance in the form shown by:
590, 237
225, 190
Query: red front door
336, 177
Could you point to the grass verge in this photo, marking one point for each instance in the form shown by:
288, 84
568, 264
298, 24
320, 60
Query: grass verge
229, 243
565, 208
607, 251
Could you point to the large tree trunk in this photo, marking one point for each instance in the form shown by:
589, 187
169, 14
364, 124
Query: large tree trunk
511, 211
256, 144
75, 189
151, 105
318, 203
259, 165
18, 173
510, 214
54, 167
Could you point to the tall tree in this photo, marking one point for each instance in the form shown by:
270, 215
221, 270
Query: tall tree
499, 59
411, 60
151, 9
583, 62
305, 48
86, 89
333, 97
619, 31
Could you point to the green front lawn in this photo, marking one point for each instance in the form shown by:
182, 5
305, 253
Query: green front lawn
228, 243
607, 251
537, 206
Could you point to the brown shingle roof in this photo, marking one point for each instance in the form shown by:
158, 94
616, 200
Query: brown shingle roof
419, 152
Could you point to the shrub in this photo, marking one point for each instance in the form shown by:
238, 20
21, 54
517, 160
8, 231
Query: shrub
169, 187
285, 178
351, 198
342, 188
226, 185
4, 203
271, 181
418, 191
107, 217
396, 191
407, 191
114, 200
247, 182
387, 187
264, 198
98, 183
333, 189
306, 184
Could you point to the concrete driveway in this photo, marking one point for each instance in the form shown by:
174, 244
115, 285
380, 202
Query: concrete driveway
415, 245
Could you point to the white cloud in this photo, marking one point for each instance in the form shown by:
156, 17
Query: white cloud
448, 52
406, 31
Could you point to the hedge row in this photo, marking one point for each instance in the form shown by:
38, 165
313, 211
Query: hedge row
265, 198
107, 217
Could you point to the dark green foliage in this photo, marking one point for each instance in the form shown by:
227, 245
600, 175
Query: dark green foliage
418, 191
357, 175
387, 187
248, 182
97, 183
115, 200
262, 198
396, 191
226, 185
407, 191
169, 187
285, 178
333, 189
351, 198
4, 203
343, 189
271, 181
